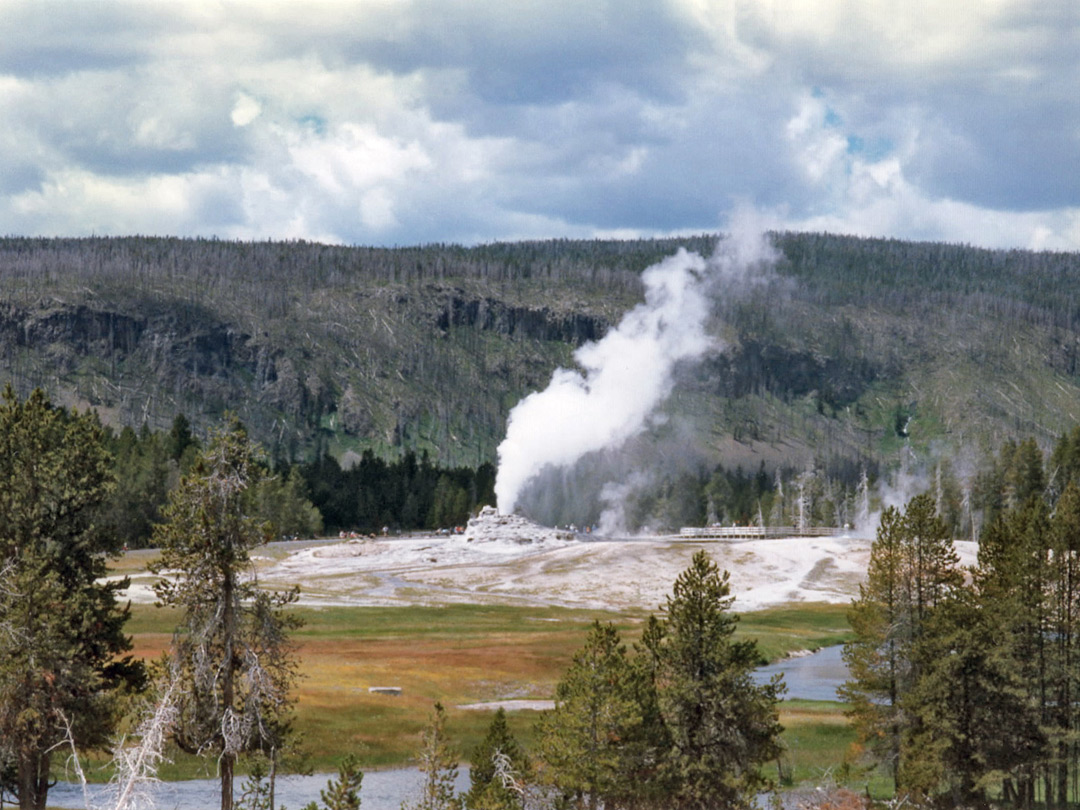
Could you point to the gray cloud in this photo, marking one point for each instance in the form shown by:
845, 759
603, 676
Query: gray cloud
468, 120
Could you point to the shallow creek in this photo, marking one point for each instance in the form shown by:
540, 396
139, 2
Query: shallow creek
808, 677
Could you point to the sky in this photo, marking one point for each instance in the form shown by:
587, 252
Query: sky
400, 122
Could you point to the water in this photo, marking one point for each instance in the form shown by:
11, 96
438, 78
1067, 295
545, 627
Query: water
811, 677
381, 790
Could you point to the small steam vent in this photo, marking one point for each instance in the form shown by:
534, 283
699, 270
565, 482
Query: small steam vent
489, 526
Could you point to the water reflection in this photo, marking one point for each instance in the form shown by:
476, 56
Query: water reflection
809, 677
381, 790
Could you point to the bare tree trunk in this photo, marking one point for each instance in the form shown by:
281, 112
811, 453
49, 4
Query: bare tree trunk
228, 757
227, 761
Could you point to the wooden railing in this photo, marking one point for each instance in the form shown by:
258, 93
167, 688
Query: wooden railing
757, 532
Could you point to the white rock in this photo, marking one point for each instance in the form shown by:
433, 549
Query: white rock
490, 526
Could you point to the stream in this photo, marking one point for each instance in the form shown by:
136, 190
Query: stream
381, 790
808, 677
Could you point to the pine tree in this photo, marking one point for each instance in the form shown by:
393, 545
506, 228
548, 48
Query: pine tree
439, 764
143, 474
877, 658
720, 725
486, 787
1012, 578
232, 651
282, 501
1064, 612
913, 569
61, 631
179, 439
971, 715
344, 792
586, 741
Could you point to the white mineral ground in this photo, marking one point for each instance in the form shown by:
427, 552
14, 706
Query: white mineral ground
510, 560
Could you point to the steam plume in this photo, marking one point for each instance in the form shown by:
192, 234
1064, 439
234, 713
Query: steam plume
626, 375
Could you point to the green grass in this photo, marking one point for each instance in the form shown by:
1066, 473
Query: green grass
460, 654
447, 621
782, 630
817, 738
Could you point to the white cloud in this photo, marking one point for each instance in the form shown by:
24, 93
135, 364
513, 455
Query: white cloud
877, 196
818, 150
393, 122
81, 202
246, 110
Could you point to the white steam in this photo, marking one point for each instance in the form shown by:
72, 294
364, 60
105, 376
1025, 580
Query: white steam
614, 496
626, 375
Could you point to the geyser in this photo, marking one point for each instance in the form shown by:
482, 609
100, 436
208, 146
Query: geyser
627, 374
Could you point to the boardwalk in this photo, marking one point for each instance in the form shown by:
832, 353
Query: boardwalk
755, 532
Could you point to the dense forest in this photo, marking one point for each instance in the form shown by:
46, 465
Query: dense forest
299, 500
850, 354
964, 682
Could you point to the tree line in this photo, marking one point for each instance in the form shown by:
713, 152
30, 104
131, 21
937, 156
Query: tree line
965, 683
300, 500
148, 465
409, 494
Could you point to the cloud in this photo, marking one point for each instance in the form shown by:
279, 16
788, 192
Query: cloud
246, 110
465, 120
869, 195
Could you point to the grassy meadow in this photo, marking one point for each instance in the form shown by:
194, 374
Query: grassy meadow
462, 654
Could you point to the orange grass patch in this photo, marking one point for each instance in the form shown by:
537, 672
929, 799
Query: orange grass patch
464, 660
798, 717
455, 655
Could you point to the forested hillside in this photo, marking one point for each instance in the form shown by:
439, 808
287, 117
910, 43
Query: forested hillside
855, 354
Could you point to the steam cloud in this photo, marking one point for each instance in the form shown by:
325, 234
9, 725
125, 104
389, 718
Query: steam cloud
627, 374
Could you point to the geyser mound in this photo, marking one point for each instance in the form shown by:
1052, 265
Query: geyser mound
490, 527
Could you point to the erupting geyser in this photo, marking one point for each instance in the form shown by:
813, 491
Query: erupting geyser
625, 375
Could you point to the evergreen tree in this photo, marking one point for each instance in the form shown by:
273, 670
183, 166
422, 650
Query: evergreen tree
1025, 478
255, 792
1064, 463
61, 631
1012, 578
721, 726
877, 658
344, 792
232, 651
486, 787
180, 440
282, 502
439, 764
1063, 584
587, 741
971, 715
144, 475
913, 569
